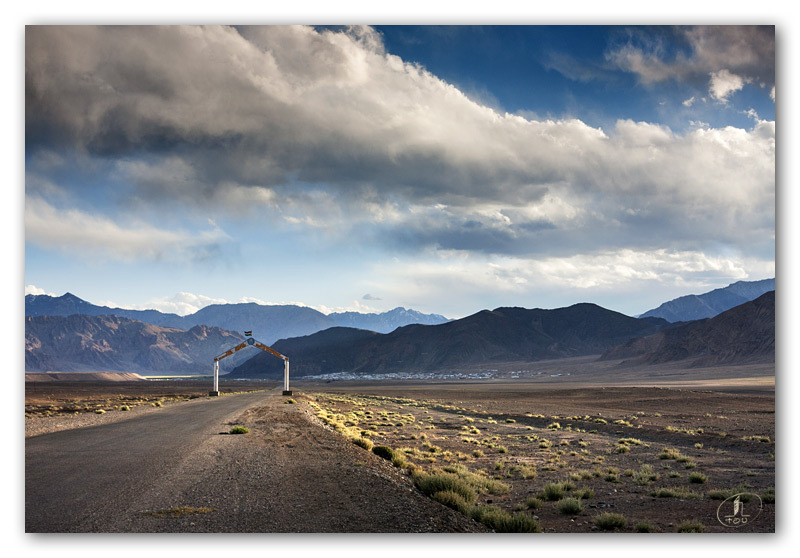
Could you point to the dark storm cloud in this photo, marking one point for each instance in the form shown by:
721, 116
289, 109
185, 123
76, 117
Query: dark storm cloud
693, 53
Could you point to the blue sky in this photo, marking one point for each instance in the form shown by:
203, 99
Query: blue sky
447, 169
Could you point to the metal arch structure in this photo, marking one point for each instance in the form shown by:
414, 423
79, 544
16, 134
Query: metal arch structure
252, 342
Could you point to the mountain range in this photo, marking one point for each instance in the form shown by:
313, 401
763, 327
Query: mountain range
712, 303
267, 322
744, 334
69, 334
490, 336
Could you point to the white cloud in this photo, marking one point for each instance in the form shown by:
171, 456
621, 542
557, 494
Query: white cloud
34, 290
91, 236
496, 281
689, 102
723, 84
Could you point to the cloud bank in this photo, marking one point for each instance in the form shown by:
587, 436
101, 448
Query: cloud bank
323, 130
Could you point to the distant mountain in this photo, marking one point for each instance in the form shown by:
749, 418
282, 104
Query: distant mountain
500, 335
67, 304
712, 303
741, 335
267, 322
81, 343
387, 321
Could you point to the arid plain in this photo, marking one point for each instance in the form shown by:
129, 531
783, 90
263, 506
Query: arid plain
612, 449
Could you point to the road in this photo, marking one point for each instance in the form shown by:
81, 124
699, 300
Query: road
287, 475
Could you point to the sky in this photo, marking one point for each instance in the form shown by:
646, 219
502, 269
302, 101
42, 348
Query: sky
447, 169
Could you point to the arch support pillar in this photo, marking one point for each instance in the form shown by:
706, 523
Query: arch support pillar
286, 390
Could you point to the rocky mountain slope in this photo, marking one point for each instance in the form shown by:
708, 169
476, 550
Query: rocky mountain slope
741, 335
500, 335
80, 343
712, 303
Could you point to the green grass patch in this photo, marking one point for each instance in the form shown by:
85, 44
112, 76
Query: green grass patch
239, 430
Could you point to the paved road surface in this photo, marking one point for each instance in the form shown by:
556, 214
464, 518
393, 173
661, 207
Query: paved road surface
287, 475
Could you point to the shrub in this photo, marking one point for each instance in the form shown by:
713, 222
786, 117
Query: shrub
584, 493
365, 443
554, 491
608, 521
669, 453
99, 411
644, 527
645, 475
385, 452
504, 522
690, 526
697, 478
532, 503
768, 496
674, 493
569, 506
452, 499
727, 493
239, 430
290, 401
431, 483
124, 408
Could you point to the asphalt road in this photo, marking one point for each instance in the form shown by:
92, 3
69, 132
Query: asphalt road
89, 479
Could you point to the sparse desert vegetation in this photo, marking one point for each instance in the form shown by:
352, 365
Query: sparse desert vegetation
501, 459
